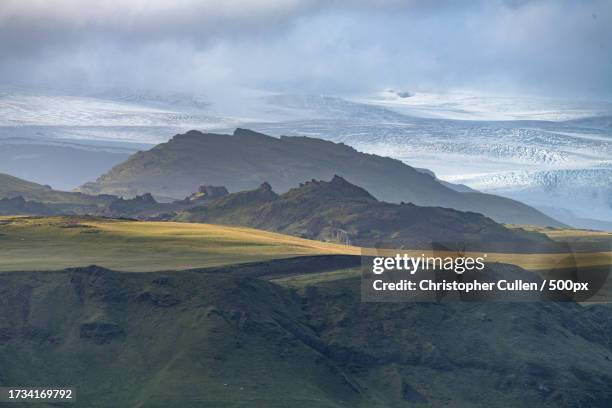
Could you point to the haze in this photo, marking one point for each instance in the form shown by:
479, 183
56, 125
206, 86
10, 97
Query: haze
551, 48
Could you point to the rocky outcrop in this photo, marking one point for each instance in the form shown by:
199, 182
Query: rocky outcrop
208, 193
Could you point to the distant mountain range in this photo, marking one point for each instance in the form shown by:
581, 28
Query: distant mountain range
551, 154
246, 159
335, 211
12, 187
338, 211
19, 206
63, 165
18, 196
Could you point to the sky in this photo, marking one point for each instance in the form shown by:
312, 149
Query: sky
538, 47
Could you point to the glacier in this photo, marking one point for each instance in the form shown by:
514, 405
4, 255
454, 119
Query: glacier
555, 155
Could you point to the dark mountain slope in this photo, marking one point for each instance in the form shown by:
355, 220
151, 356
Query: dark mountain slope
246, 159
217, 339
342, 212
19, 206
19, 196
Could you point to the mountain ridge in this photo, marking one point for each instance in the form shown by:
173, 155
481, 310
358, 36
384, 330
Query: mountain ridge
335, 211
12, 187
246, 159
339, 211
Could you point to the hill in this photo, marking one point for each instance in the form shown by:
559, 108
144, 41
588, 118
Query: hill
13, 187
339, 211
223, 338
44, 243
21, 197
19, 206
246, 159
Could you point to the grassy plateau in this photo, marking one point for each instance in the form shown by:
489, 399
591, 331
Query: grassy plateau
51, 243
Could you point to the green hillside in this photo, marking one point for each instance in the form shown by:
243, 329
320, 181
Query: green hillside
48, 243
39, 243
222, 338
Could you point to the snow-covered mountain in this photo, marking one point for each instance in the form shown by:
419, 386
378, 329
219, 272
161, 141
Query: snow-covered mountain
555, 155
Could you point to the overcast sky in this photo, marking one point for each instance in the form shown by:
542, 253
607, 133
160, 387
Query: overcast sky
557, 48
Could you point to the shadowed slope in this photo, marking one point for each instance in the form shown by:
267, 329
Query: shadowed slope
193, 339
246, 159
339, 211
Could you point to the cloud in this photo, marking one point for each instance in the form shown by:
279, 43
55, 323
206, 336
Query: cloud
534, 46
154, 20
143, 12
36, 24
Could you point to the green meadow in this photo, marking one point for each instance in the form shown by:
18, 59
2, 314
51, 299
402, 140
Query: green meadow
51, 243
